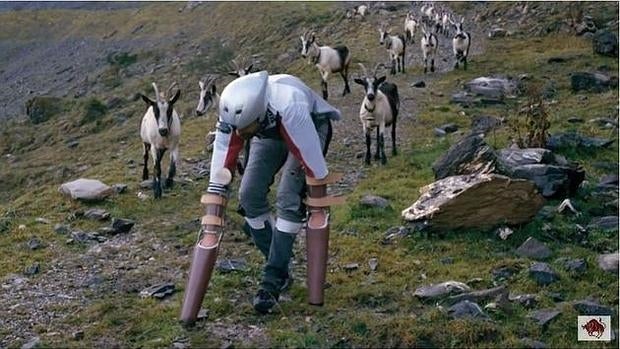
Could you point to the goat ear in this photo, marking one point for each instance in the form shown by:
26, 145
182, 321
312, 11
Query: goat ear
380, 80
146, 99
249, 69
213, 89
175, 97
360, 81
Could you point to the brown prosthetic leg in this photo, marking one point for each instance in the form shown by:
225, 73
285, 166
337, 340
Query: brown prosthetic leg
205, 254
317, 234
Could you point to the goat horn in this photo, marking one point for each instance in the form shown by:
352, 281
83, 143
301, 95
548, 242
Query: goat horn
169, 92
157, 97
379, 65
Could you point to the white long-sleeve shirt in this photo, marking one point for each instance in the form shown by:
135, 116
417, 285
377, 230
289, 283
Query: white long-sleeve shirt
293, 103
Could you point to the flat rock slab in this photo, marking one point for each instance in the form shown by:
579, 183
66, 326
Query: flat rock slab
576, 140
608, 262
532, 343
86, 190
543, 274
534, 249
444, 289
475, 201
588, 307
159, 291
485, 123
594, 82
577, 265
121, 226
551, 180
544, 316
516, 157
528, 301
466, 310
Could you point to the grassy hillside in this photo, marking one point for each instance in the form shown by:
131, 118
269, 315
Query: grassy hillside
363, 308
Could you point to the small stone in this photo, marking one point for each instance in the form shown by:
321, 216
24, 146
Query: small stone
544, 316
439, 132
78, 335
444, 289
556, 296
146, 184
609, 223
466, 309
61, 229
373, 263
202, 314
528, 301
449, 128
419, 84
532, 344
608, 262
534, 249
447, 260
121, 225
567, 206
230, 265
374, 201
504, 232
98, 214
542, 274
159, 291
575, 120
32, 269
588, 307
351, 266
72, 144
120, 188
32, 343
573, 265
41, 220
34, 244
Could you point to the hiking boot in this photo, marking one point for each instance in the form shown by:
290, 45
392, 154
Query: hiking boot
287, 283
264, 301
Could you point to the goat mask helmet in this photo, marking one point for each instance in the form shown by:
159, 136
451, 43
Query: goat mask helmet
243, 102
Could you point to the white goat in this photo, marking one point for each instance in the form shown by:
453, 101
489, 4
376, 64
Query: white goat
327, 60
428, 13
411, 26
208, 95
445, 23
240, 66
160, 131
460, 44
361, 11
395, 45
379, 109
429, 46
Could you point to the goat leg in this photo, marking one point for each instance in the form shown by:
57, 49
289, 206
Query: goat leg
145, 169
394, 151
324, 89
157, 178
172, 170
382, 147
378, 152
433, 65
367, 159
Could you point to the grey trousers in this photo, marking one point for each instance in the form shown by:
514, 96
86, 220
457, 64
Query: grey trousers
267, 156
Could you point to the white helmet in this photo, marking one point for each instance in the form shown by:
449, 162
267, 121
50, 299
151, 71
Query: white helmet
244, 100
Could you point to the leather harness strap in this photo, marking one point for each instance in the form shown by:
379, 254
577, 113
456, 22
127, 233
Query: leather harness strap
332, 177
325, 201
212, 220
212, 199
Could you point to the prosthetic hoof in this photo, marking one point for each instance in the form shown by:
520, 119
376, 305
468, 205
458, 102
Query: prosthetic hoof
317, 240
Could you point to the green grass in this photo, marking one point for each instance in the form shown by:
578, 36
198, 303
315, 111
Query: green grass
363, 308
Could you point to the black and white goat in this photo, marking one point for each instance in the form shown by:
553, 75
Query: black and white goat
428, 13
445, 23
327, 60
429, 44
411, 26
379, 109
395, 45
160, 131
208, 95
460, 44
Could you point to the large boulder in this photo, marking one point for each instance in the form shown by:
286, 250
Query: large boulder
553, 176
605, 43
86, 189
595, 82
470, 155
492, 87
475, 201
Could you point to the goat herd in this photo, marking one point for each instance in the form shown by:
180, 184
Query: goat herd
161, 127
